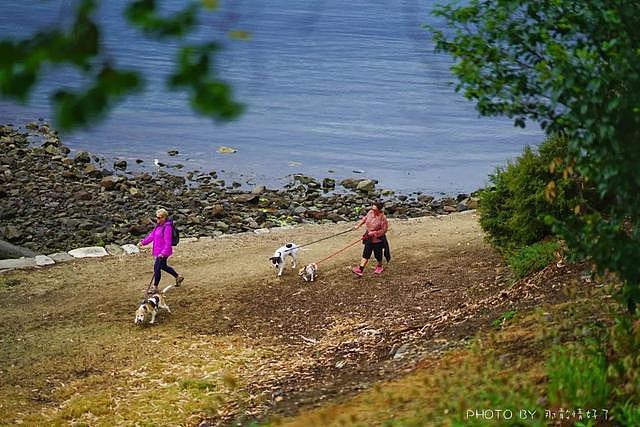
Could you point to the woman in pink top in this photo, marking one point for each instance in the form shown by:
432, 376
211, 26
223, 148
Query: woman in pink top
374, 239
161, 236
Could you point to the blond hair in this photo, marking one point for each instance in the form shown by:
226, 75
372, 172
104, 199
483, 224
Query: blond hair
162, 212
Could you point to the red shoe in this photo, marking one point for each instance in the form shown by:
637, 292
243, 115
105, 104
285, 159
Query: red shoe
379, 269
357, 271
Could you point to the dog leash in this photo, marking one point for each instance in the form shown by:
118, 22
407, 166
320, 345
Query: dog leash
146, 292
319, 240
341, 250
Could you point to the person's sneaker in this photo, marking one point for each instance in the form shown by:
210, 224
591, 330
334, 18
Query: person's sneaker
379, 269
179, 281
357, 271
153, 291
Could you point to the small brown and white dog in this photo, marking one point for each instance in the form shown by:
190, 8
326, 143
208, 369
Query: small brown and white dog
151, 306
309, 272
277, 260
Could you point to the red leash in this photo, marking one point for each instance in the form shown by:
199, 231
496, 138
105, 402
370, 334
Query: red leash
341, 250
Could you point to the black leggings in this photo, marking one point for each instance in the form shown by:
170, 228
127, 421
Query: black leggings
158, 266
376, 248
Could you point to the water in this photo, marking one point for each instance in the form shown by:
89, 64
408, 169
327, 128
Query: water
330, 87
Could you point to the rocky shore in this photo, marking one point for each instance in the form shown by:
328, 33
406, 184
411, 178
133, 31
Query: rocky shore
51, 201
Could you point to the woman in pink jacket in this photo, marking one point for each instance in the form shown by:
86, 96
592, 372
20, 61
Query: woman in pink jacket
374, 238
161, 236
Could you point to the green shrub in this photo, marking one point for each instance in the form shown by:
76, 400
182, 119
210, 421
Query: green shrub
532, 258
604, 373
513, 209
578, 377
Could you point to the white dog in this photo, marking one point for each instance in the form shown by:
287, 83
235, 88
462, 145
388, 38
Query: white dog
290, 249
309, 272
151, 305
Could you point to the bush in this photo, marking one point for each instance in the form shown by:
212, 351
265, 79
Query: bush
578, 377
603, 373
514, 208
532, 258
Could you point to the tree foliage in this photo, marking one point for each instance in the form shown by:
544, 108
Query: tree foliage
573, 67
514, 208
23, 62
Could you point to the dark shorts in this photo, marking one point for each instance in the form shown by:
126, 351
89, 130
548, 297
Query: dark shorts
376, 248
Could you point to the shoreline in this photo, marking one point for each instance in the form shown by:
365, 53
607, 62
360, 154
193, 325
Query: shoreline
51, 202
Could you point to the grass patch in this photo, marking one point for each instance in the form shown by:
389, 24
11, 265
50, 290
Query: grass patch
532, 258
578, 376
9, 282
504, 318
106, 374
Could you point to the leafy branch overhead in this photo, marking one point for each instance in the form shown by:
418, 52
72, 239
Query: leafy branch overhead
24, 62
573, 67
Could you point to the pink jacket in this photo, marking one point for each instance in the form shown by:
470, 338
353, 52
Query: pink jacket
376, 224
161, 238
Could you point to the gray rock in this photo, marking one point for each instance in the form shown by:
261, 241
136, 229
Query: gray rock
17, 263
248, 198
328, 183
303, 179
42, 260
82, 195
259, 189
472, 202
9, 250
350, 183
462, 206
222, 226
424, 198
88, 252
82, 157
114, 249
109, 182
300, 210
366, 186
133, 249
11, 232
61, 257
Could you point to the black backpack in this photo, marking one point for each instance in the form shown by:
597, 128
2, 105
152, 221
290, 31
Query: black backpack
175, 235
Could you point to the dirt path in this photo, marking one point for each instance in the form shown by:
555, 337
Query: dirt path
241, 343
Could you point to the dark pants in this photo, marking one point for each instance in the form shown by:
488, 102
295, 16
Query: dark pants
158, 266
376, 248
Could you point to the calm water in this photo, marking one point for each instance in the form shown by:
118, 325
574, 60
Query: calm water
329, 86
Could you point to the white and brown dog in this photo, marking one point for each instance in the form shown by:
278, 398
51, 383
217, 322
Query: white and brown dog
151, 306
309, 272
290, 249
